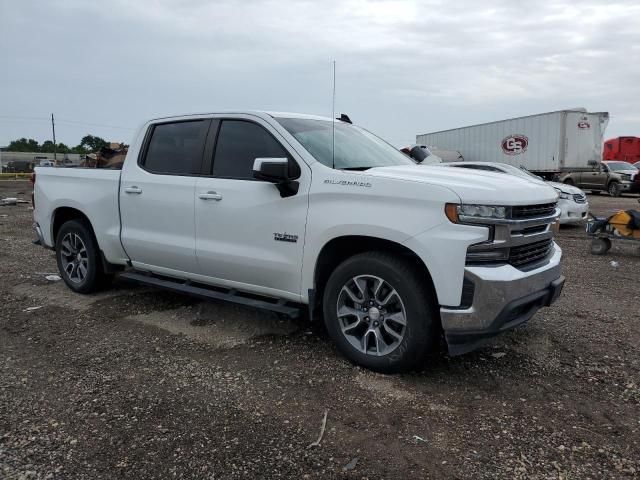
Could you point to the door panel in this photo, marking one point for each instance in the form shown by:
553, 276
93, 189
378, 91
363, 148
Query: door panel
236, 234
157, 197
595, 180
246, 233
158, 224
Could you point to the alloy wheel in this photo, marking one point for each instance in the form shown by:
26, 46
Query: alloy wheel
74, 257
371, 315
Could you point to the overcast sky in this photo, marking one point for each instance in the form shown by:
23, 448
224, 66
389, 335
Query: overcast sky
403, 67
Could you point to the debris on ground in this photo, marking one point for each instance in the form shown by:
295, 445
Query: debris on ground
322, 427
8, 201
351, 465
53, 277
498, 354
31, 309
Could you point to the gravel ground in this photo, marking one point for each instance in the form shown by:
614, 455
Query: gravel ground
138, 383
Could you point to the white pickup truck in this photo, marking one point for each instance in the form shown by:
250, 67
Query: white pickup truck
281, 210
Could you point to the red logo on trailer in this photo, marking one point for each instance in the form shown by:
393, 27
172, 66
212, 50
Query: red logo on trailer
515, 144
584, 125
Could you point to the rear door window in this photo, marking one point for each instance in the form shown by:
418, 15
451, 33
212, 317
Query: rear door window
176, 148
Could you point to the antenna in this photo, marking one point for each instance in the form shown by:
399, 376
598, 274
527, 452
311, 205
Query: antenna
333, 120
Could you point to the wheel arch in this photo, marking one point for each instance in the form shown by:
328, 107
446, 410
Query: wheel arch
610, 182
61, 215
338, 249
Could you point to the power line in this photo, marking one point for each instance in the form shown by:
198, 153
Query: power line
95, 124
72, 122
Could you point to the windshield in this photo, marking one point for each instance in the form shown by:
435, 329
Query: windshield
355, 148
523, 169
619, 166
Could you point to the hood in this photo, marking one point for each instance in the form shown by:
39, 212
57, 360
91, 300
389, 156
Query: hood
570, 189
474, 186
630, 172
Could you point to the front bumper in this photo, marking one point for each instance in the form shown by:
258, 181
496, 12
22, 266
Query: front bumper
572, 212
503, 298
629, 187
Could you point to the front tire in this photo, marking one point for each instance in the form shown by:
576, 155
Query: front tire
78, 258
614, 189
381, 312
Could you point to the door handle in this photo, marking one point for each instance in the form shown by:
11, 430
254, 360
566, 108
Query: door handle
134, 189
210, 196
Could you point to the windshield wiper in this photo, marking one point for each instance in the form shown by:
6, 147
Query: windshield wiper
359, 169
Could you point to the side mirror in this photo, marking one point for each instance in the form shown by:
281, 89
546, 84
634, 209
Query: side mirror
418, 154
275, 170
272, 170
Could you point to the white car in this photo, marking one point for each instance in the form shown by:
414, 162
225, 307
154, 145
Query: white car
572, 201
287, 212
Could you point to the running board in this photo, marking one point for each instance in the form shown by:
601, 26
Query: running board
226, 294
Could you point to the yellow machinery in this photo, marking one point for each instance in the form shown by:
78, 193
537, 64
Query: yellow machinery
624, 225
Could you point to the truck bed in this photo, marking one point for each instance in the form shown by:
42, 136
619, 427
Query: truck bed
92, 191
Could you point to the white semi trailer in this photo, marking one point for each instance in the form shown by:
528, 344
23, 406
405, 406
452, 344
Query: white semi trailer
547, 143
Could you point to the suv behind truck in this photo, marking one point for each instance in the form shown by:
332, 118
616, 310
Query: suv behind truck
614, 177
285, 210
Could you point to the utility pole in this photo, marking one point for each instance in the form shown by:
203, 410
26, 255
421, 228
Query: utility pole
53, 127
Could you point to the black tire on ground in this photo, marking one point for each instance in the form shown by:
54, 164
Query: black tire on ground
77, 250
422, 328
568, 181
614, 189
600, 246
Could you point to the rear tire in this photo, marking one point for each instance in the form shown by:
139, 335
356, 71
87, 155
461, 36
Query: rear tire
78, 258
614, 189
381, 312
600, 246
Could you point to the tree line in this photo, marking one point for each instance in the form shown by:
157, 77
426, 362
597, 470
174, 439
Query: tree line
88, 144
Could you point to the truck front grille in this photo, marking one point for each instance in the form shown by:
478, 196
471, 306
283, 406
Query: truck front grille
525, 255
523, 240
532, 211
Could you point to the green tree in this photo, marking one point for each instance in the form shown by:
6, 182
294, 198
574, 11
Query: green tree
90, 143
24, 145
47, 146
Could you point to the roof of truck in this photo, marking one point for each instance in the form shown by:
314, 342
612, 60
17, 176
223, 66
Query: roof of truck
259, 113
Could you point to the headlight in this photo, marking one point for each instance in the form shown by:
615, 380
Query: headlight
624, 176
454, 211
563, 195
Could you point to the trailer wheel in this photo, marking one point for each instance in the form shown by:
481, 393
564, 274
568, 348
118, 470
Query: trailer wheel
600, 246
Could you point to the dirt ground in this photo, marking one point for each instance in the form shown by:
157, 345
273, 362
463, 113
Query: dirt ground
139, 383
